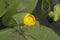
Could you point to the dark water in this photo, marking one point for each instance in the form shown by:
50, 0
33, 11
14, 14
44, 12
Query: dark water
1, 25
42, 17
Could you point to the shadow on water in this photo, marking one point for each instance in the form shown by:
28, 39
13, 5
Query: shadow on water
43, 20
1, 25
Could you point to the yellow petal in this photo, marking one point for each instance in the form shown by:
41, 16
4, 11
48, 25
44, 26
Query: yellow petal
29, 19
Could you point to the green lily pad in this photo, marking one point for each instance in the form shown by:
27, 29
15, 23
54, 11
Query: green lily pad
11, 10
27, 5
10, 34
3, 8
40, 32
48, 34
15, 19
19, 17
16, 6
37, 32
10, 23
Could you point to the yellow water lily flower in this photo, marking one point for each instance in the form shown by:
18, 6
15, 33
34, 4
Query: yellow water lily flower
29, 19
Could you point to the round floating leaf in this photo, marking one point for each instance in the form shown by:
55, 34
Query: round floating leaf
15, 5
3, 8
10, 34
19, 17
37, 32
27, 5
11, 10
48, 34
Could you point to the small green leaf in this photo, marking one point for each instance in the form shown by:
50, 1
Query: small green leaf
51, 14
56, 12
19, 17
